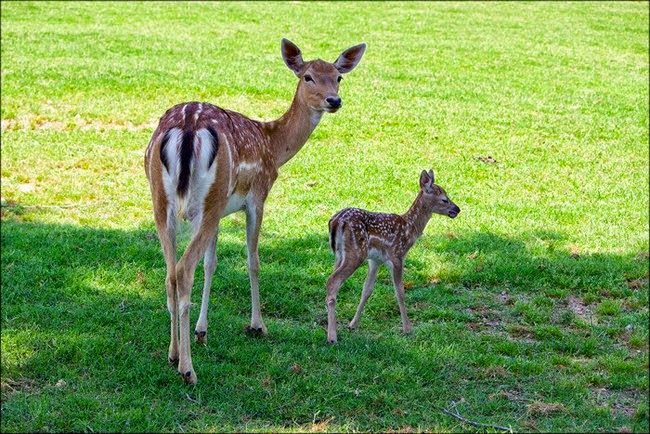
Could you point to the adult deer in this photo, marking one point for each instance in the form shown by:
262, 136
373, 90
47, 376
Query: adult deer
204, 162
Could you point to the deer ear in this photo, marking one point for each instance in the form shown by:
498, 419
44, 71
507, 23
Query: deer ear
350, 58
292, 56
433, 181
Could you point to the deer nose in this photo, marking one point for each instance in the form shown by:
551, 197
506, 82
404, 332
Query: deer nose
454, 212
334, 101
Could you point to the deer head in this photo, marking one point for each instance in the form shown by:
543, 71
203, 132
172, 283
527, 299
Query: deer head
435, 197
319, 80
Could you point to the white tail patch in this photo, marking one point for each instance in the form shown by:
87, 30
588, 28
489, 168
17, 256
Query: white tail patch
201, 176
172, 170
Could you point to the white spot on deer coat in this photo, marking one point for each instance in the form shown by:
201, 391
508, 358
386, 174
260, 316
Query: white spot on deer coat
198, 112
246, 165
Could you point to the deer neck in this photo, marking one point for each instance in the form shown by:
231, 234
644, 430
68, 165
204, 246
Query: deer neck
290, 132
417, 217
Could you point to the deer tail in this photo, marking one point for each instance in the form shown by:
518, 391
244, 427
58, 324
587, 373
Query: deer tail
337, 227
332, 227
333, 224
186, 154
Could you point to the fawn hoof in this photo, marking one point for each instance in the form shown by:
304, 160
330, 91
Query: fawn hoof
201, 337
173, 361
352, 326
188, 376
256, 331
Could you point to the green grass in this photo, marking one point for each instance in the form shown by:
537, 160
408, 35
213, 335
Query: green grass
530, 309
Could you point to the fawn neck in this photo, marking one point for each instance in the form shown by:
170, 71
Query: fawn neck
418, 216
290, 132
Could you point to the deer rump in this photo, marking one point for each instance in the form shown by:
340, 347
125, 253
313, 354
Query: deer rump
188, 158
345, 229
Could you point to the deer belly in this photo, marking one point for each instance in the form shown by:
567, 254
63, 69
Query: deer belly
234, 204
376, 255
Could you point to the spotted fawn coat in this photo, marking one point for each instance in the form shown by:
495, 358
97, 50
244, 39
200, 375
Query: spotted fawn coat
357, 235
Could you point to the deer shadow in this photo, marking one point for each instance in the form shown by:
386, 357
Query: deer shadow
88, 304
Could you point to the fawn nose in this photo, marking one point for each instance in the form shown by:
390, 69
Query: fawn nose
454, 211
334, 101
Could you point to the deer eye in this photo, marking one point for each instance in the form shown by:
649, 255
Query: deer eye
445, 200
308, 78
339, 78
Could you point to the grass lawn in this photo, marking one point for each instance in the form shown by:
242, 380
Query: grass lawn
530, 309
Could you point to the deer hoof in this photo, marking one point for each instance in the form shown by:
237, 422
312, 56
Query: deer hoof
352, 326
201, 337
255, 331
172, 361
189, 377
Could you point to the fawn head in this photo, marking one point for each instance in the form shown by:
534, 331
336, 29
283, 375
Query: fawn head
436, 197
319, 80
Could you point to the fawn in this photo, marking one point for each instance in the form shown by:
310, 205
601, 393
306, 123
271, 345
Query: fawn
357, 235
204, 163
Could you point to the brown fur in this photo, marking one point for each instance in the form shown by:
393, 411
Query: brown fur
248, 156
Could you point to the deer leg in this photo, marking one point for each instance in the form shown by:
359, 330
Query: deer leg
166, 226
209, 265
338, 260
184, 280
334, 283
396, 268
368, 286
253, 224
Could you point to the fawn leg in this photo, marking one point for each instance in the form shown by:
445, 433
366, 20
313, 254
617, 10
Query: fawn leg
333, 284
396, 268
368, 286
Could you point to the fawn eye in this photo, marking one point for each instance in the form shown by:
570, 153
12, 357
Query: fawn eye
445, 200
308, 78
339, 78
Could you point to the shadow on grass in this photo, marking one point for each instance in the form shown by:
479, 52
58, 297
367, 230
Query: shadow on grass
537, 260
87, 305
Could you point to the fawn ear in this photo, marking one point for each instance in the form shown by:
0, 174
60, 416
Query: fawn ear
350, 58
292, 56
433, 180
425, 180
